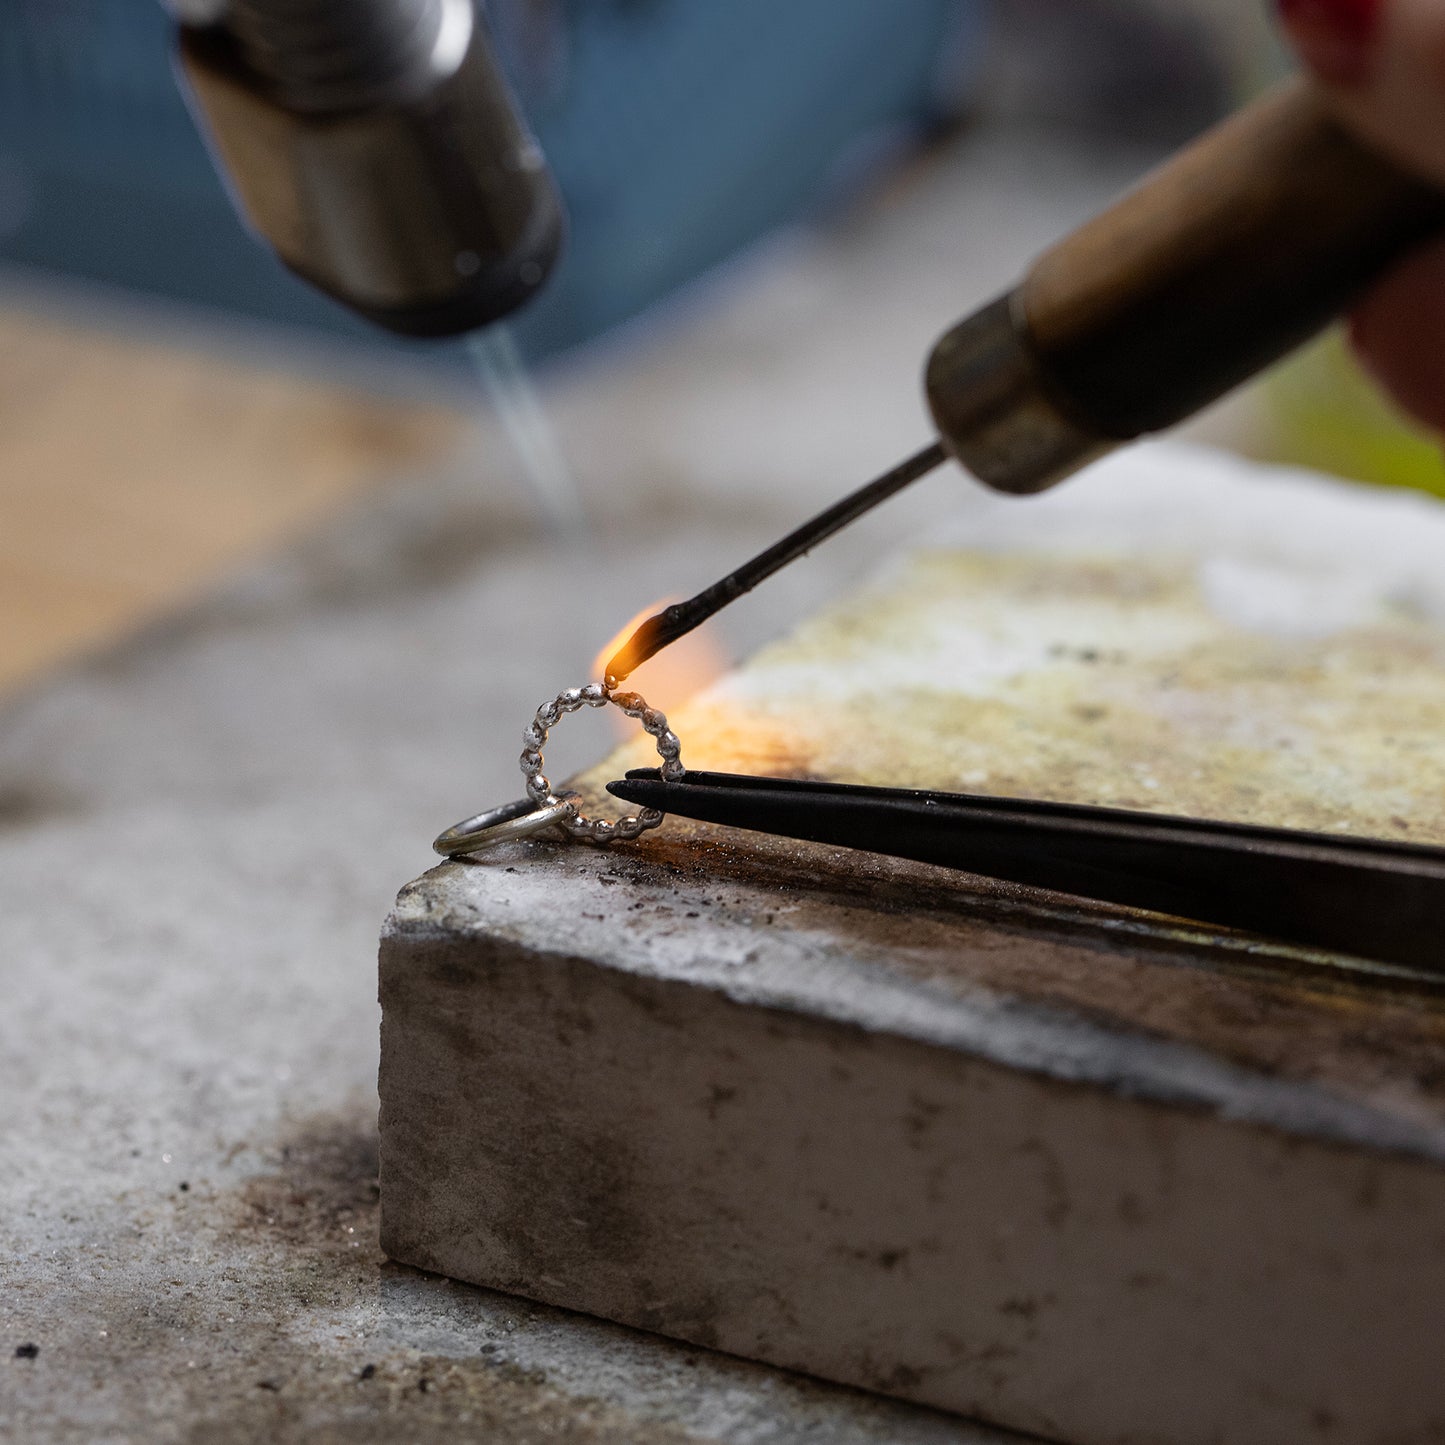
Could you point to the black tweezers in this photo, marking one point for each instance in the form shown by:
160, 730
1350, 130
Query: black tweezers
1360, 896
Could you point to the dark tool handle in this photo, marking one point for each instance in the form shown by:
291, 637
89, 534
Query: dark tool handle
1226, 258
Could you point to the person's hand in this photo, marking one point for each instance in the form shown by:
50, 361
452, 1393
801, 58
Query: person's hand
1383, 62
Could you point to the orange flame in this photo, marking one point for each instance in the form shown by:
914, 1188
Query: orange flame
670, 678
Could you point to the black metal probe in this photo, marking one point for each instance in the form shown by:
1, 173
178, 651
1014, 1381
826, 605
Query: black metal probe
680, 618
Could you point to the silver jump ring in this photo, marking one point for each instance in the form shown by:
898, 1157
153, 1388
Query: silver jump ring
522, 819
539, 790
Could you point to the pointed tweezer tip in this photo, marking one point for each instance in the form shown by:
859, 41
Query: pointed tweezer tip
642, 786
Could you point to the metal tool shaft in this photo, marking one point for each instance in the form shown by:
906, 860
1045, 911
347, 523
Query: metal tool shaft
679, 619
1363, 897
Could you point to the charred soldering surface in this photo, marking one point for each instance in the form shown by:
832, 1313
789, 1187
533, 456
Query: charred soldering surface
376, 147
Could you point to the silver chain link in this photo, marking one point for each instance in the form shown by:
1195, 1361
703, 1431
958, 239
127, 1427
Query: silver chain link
595, 694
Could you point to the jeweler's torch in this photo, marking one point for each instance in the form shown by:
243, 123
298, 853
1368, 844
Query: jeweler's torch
376, 147
1241, 247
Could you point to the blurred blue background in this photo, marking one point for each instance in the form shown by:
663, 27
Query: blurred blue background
679, 130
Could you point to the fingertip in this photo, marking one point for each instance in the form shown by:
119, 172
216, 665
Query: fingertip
1335, 38
1397, 333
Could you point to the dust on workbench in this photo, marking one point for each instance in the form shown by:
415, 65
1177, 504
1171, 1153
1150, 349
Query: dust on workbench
250, 1300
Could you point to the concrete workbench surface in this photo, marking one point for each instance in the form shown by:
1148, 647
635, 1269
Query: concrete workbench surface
201, 832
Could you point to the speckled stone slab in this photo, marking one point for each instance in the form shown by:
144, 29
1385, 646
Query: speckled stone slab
1068, 1168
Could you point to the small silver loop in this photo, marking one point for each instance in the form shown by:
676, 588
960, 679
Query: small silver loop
522, 819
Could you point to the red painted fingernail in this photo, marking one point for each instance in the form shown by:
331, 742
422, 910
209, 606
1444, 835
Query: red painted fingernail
1335, 37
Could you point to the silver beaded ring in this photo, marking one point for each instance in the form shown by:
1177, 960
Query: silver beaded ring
539, 790
541, 811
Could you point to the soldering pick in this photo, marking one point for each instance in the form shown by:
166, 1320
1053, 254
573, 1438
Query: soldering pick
1234, 253
673, 622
